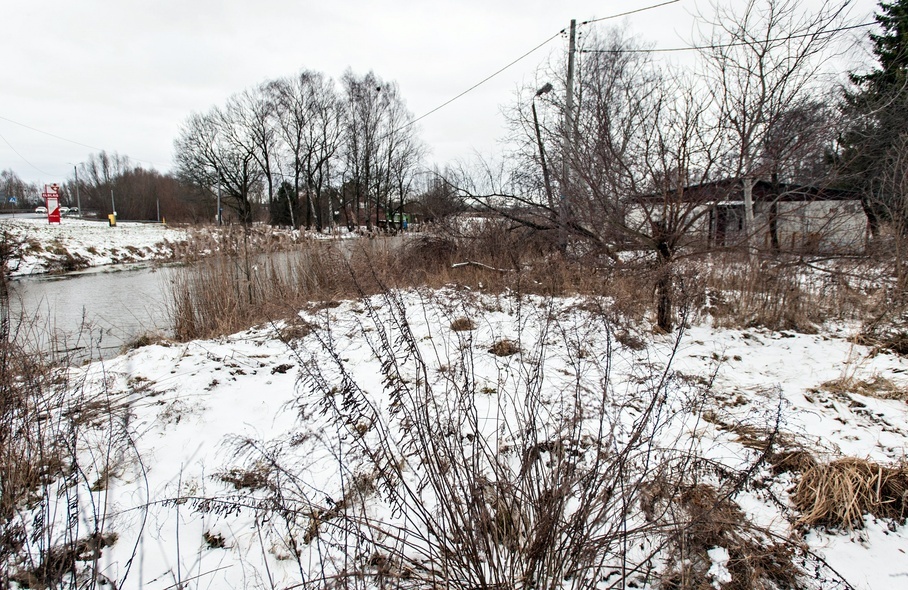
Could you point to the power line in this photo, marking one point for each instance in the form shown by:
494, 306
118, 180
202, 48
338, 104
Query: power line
546, 42
91, 147
484, 80
51, 134
732, 44
596, 20
23, 157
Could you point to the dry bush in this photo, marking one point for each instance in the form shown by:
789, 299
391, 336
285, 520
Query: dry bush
432, 495
239, 286
705, 518
792, 461
785, 293
52, 470
226, 294
504, 348
463, 324
144, 339
296, 329
840, 493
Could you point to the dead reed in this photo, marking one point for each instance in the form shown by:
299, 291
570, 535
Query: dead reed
840, 493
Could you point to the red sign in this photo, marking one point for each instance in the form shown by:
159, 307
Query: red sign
52, 199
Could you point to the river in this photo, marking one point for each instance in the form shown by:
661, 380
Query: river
92, 313
95, 313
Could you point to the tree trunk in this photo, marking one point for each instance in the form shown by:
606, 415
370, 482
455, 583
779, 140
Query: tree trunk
664, 300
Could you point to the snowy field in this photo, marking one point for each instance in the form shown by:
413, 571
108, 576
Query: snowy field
74, 244
228, 463
294, 454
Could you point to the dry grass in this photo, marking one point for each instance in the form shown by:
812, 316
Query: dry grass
242, 285
229, 292
784, 293
504, 347
876, 386
705, 518
463, 324
839, 494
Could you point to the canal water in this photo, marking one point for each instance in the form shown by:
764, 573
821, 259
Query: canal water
91, 314
95, 313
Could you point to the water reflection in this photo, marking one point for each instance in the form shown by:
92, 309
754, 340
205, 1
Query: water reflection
91, 314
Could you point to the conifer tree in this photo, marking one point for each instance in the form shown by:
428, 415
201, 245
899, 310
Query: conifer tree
878, 128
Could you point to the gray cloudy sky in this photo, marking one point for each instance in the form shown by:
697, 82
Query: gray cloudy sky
122, 75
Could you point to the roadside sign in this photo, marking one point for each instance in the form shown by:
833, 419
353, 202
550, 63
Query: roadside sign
51, 196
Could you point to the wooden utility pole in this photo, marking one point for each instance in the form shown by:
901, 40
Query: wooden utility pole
567, 139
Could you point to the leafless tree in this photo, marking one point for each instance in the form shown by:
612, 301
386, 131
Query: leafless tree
651, 153
11, 185
215, 153
308, 118
247, 120
764, 61
381, 149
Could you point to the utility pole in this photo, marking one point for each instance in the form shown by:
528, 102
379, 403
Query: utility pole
219, 203
113, 206
78, 201
545, 169
568, 132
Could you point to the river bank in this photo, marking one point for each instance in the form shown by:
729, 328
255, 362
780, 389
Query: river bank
76, 244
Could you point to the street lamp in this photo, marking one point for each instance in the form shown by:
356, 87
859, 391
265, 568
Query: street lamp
545, 170
78, 200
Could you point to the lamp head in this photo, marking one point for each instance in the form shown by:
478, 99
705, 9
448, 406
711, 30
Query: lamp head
545, 89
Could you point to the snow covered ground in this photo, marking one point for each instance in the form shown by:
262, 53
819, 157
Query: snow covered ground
228, 462
75, 243
224, 461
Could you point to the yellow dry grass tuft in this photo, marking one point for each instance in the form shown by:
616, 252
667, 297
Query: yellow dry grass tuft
876, 386
840, 493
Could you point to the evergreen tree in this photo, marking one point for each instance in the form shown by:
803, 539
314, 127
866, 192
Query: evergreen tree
877, 110
890, 49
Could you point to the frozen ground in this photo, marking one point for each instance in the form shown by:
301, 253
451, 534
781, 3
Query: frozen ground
210, 462
205, 435
74, 243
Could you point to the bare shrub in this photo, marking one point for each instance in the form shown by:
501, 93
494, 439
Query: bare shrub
54, 520
568, 487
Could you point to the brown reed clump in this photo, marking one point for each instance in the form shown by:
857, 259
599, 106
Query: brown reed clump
840, 493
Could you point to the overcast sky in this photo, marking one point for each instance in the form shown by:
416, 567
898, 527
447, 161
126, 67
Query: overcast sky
123, 75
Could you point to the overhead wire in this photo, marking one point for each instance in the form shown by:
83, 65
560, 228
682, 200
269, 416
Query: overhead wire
732, 44
61, 138
50, 134
484, 80
527, 54
24, 159
629, 12
424, 115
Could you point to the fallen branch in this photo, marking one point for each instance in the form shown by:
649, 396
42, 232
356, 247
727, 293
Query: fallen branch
480, 265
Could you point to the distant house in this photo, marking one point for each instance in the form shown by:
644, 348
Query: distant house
788, 217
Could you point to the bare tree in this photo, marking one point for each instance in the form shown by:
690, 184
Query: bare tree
764, 62
638, 142
11, 185
309, 119
214, 152
248, 119
381, 149
652, 154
